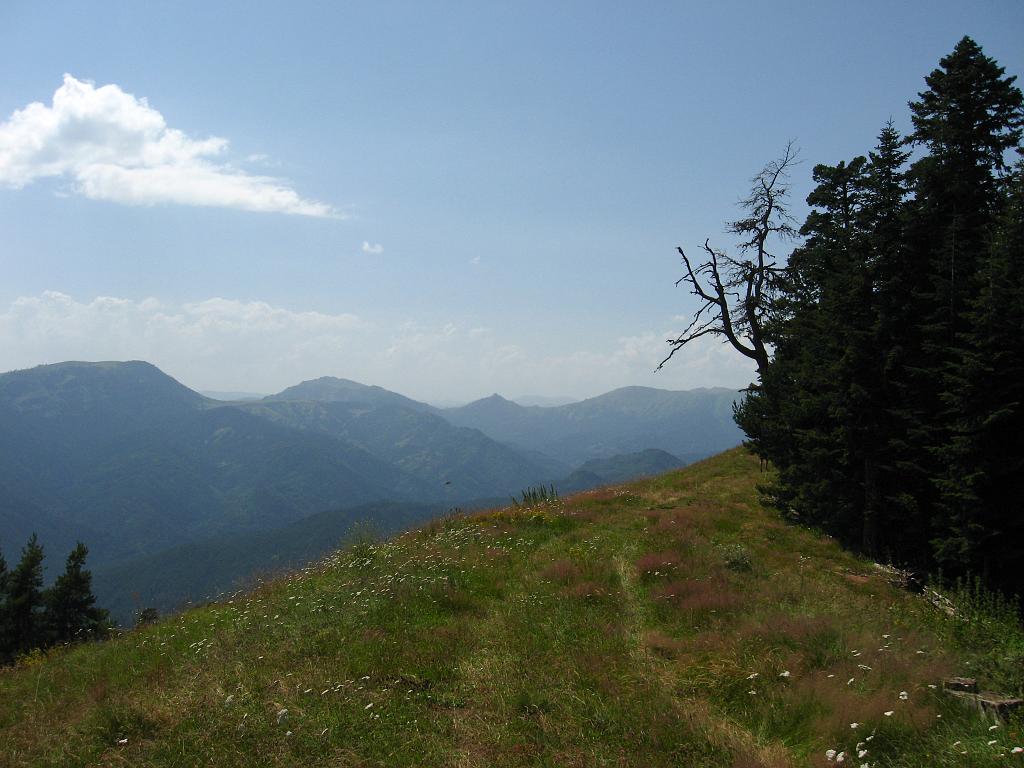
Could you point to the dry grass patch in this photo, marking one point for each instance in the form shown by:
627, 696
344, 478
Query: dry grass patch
656, 564
562, 572
663, 645
698, 595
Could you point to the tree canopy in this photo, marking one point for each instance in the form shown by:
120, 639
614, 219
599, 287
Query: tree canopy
891, 394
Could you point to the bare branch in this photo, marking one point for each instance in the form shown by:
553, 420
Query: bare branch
735, 290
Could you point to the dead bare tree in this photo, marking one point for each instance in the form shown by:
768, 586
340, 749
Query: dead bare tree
735, 291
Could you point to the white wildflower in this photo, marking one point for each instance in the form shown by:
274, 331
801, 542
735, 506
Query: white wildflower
904, 695
888, 714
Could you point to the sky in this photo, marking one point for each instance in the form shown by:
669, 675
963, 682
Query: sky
444, 199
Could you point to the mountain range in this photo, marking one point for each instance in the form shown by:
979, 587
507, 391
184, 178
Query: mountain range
151, 474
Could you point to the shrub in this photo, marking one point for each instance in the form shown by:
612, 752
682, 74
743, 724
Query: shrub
736, 557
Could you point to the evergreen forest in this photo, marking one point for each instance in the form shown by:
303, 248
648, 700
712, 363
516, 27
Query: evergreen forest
32, 617
890, 346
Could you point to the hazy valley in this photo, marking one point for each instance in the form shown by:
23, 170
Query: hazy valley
180, 496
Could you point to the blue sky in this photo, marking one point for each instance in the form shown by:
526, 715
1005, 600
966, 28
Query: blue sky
444, 199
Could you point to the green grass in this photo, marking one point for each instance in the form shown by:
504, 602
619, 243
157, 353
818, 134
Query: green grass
670, 622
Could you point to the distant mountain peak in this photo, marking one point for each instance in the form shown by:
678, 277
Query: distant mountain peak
122, 386
331, 389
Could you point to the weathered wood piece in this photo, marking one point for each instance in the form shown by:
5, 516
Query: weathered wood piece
991, 705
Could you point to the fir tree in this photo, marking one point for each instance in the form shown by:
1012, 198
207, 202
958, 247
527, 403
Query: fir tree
5, 634
968, 119
25, 600
884, 414
72, 614
893, 404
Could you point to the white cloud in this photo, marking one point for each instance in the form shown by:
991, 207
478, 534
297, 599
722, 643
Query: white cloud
375, 249
225, 344
475, 260
113, 146
204, 343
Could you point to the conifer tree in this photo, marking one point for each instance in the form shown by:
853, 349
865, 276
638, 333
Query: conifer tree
893, 404
5, 634
888, 494
984, 484
72, 614
968, 119
25, 600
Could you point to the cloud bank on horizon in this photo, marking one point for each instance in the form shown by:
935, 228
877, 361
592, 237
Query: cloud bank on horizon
116, 147
224, 344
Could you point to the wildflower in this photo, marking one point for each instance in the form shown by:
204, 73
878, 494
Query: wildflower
1016, 750
123, 741
854, 726
784, 674
850, 681
904, 695
368, 705
993, 741
281, 715
830, 754
993, 727
888, 714
752, 692
861, 753
751, 677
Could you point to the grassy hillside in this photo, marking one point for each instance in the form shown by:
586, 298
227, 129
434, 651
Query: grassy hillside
668, 622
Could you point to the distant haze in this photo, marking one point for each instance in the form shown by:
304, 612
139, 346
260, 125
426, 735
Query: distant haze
448, 200
228, 346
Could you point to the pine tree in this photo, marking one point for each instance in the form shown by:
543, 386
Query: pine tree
887, 502
893, 402
25, 600
822, 335
72, 614
5, 632
970, 116
983, 488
